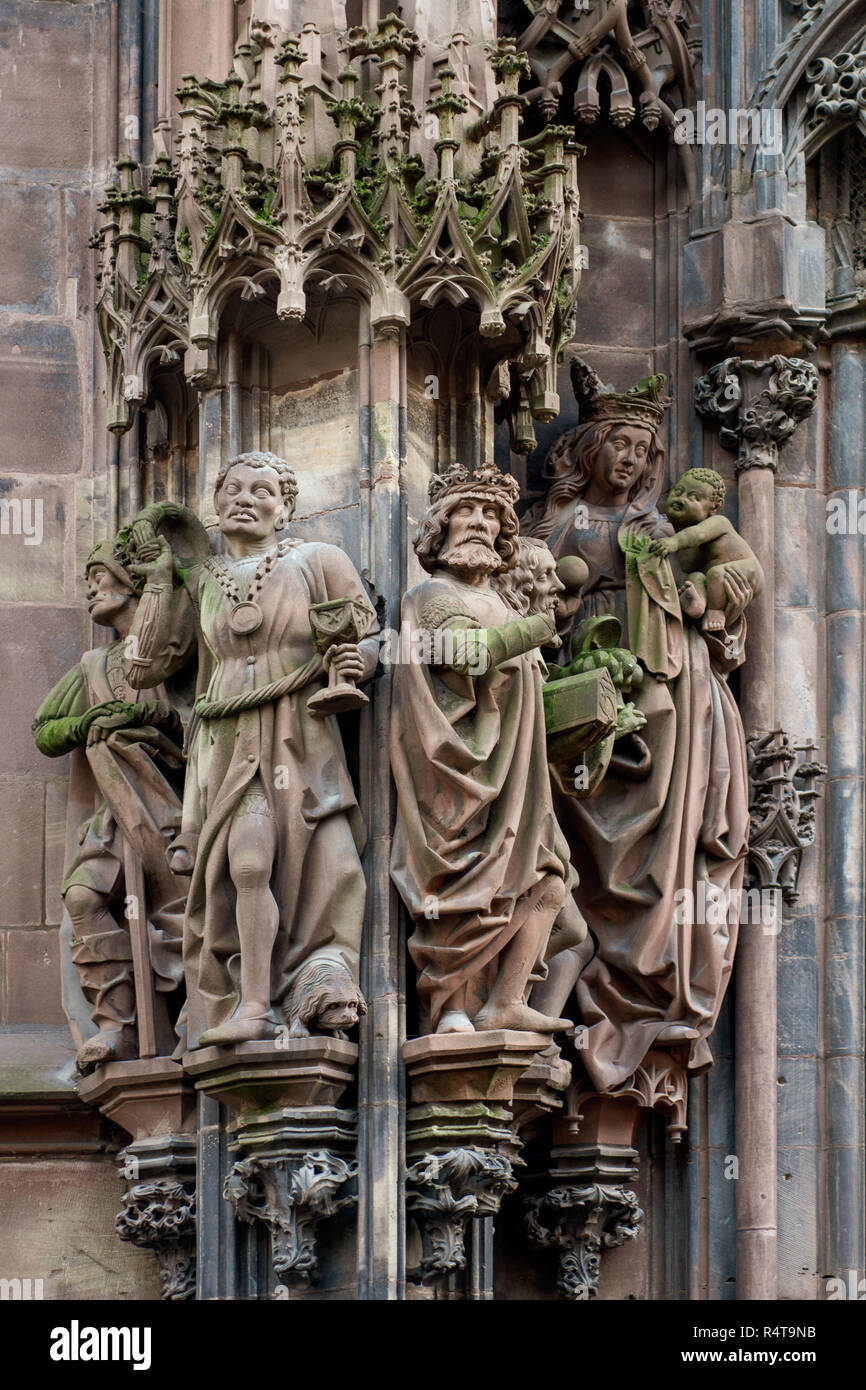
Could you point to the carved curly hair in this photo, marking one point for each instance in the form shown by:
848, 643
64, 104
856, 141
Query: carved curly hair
258, 459
712, 479
448, 490
518, 585
319, 984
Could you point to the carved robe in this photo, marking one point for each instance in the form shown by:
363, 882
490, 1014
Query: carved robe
125, 785
475, 823
277, 750
645, 834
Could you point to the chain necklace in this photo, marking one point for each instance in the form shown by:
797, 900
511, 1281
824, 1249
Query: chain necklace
246, 615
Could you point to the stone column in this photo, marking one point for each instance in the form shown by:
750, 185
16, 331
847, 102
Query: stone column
843, 953
757, 406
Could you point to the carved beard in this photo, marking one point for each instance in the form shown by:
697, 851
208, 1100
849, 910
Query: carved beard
471, 557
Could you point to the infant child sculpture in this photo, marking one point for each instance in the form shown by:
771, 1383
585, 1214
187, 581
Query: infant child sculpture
707, 546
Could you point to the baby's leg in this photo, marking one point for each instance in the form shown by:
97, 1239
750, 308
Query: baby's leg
693, 600
714, 618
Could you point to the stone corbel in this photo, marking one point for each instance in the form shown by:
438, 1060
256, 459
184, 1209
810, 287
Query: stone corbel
290, 1194
444, 1191
583, 1204
154, 1103
581, 1218
782, 812
158, 1208
462, 1143
756, 406
294, 1149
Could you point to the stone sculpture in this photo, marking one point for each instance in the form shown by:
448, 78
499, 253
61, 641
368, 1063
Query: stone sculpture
672, 811
707, 547
124, 807
478, 856
271, 827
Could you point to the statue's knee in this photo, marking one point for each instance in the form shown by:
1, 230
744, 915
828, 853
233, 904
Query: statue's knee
554, 894
250, 867
82, 902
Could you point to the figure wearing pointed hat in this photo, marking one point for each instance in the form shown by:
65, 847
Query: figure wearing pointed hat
126, 781
478, 857
672, 811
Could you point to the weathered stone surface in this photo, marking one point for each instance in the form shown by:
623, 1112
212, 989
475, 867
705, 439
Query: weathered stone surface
33, 977
22, 837
46, 124
766, 263
622, 274
59, 1227
35, 512
29, 269
41, 390
41, 643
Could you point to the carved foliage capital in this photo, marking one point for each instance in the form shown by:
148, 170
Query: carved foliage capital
160, 1216
756, 406
581, 1220
443, 1191
291, 1194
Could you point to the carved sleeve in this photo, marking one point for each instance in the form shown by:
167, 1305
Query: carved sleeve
61, 722
163, 635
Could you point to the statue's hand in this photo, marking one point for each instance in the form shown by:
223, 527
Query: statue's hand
666, 545
158, 712
106, 724
739, 592
623, 666
154, 559
347, 660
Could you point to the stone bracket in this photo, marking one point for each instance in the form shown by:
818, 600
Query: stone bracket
756, 406
444, 1191
158, 1210
583, 1210
291, 1193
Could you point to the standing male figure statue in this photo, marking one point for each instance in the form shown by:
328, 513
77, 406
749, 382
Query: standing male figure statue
478, 856
271, 827
125, 785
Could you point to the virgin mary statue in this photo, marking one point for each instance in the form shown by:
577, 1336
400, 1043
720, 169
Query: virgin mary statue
660, 845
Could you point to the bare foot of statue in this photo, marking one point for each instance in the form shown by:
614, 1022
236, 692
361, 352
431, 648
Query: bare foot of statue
455, 1021
108, 1045
713, 620
521, 1018
249, 1023
677, 1032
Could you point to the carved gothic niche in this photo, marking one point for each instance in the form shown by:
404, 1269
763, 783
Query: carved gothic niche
279, 201
784, 791
591, 61
837, 197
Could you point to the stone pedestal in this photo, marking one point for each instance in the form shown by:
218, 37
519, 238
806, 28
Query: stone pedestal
462, 1144
583, 1205
294, 1149
152, 1100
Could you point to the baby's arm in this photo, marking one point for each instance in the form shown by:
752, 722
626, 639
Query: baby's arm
712, 528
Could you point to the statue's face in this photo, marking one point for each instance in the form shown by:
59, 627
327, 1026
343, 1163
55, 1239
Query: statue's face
250, 504
473, 521
470, 542
689, 501
107, 596
623, 458
548, 585
340, 1013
